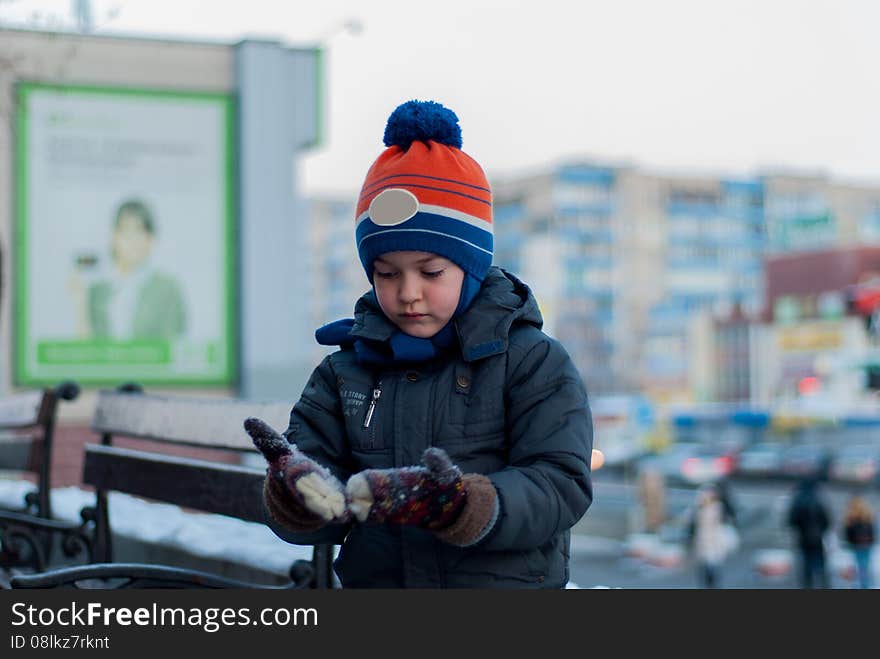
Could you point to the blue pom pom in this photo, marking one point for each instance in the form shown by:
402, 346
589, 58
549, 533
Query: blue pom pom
422, 120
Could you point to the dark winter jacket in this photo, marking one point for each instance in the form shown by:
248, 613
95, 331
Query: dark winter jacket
808, 515
859, 533
509, 404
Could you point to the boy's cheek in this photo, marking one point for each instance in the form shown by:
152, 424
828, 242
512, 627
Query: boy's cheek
383, 298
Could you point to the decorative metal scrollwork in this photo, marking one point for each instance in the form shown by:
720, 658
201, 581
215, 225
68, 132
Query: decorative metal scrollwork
32, 503
27, 542
20, 547
76, 543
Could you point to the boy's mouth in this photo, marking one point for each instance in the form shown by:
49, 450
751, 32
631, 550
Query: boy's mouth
412, 316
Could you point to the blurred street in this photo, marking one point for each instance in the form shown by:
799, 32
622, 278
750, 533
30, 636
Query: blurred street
608, 551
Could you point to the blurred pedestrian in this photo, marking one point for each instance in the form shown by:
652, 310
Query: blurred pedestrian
722, 487
712, 535
809, 516
858, 531
652, 496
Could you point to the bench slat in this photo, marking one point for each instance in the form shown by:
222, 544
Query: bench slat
21, 410
199, 484
20, 452
215, 423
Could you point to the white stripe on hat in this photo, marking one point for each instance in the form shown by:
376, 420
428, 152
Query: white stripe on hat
443, 211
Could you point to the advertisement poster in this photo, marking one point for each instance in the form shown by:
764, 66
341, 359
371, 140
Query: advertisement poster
124, 235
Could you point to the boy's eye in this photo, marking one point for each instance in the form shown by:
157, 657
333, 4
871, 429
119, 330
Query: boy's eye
383, 275
435, 273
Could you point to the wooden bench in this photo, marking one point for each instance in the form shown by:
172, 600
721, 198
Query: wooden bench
137, 466
27, 429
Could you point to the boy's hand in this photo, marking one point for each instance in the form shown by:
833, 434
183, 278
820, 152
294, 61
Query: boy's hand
309, 484
430, 497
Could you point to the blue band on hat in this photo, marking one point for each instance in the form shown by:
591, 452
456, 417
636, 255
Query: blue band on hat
467, 246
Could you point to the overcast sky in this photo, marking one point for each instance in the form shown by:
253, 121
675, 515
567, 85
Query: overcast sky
722, 87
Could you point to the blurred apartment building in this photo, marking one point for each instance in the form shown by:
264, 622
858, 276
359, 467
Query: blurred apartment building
623, 260
655, 283
817, 334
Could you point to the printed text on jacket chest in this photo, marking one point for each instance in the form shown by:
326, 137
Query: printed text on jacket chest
352, 402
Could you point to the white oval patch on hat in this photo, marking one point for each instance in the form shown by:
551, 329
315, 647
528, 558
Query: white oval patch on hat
393, 206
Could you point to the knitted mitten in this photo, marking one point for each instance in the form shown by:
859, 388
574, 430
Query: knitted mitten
430, 497
299, 492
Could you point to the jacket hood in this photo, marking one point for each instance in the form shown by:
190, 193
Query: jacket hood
483, 329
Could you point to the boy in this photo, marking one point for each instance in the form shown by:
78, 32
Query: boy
461, 431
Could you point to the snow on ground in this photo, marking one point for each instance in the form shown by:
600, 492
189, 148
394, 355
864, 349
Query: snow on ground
211, 536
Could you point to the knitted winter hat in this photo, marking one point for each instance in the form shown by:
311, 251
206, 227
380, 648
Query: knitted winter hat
423, 193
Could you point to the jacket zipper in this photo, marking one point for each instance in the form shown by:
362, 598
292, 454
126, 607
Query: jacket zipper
377, 392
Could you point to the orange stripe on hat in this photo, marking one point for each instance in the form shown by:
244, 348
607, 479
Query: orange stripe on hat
436, 174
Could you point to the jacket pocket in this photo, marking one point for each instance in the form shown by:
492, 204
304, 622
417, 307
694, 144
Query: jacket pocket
475, 408
477, 568
536, 563
363, 409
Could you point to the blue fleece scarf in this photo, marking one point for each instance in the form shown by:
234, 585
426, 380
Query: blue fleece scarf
401, 347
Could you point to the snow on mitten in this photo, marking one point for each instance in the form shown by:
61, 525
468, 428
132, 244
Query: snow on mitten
299, 492
430, 497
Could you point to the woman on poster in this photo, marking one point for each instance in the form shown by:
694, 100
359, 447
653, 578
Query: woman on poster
132, 300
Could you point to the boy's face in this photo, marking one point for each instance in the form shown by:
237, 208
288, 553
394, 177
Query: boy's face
418, 291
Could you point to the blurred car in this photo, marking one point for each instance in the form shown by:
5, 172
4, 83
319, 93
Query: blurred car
761, 459
709, 463
695, 463
668, 461
802, 460
857, 463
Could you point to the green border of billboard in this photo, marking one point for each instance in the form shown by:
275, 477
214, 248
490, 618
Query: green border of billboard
20, 375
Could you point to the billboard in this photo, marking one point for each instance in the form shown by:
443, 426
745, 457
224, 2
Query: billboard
124, 236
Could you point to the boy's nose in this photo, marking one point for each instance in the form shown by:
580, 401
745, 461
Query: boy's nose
409, 290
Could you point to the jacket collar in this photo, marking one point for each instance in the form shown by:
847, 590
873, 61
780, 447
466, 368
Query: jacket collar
483, 329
